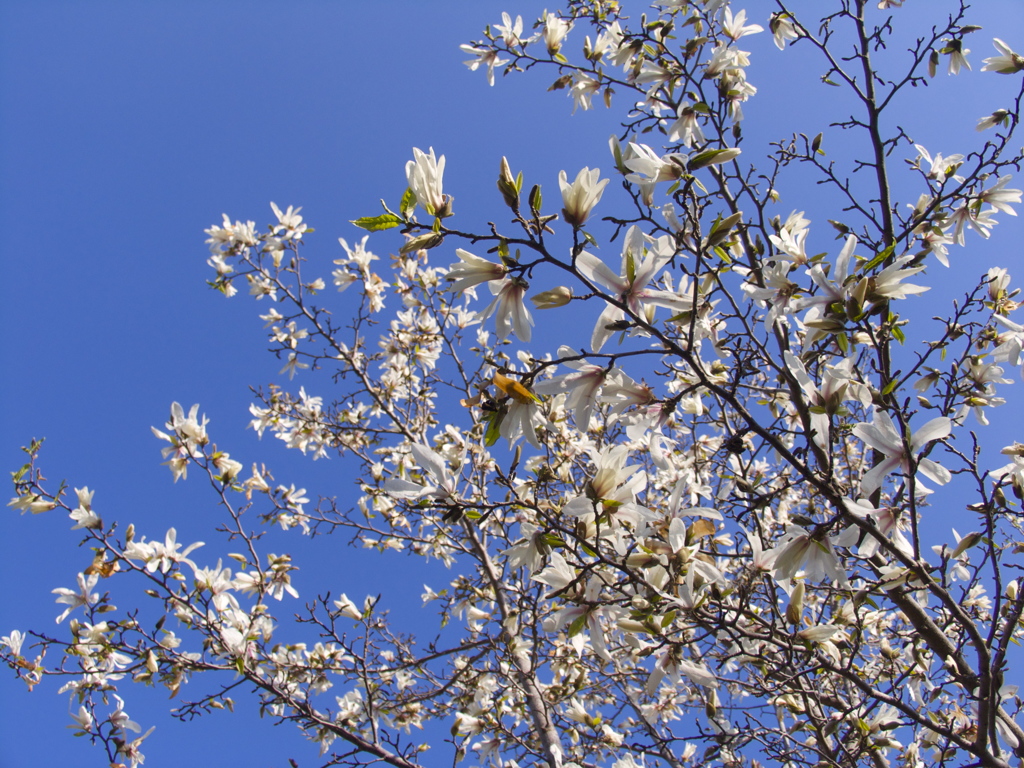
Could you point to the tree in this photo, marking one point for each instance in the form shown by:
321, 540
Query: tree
703, 530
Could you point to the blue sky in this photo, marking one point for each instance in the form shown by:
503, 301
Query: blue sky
130, 127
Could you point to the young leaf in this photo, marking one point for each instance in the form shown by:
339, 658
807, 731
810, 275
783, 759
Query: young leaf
378, 223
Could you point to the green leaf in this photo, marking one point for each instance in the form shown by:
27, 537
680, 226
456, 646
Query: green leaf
408, 202
897, 333
378, 223
888, 388
879, 258
843, 342
493, 431
536, 199
577, 625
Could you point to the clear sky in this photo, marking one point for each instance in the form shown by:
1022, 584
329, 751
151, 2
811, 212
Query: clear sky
129, 127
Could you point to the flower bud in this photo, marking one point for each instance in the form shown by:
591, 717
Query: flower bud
795, 609
508, 185
555, 297
422, 242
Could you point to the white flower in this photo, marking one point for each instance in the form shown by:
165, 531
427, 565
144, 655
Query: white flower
804, 555
999, 197
939, 168
425, 175
83, 596
642, 258
289, 224
346, 607
584, 387
509, 308
882, 435
644, 160
783, 29
999, 117
291, 366
472, 270
558, 575
484, 57
736, 27
555, 30
580, 197
437, 471
1008, 63
13, 641
509, 32
584, 88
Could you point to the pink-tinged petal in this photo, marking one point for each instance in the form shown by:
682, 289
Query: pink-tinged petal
596, 271
429, 460
881, 434
936, 429
934, 471
872, 481
610, 315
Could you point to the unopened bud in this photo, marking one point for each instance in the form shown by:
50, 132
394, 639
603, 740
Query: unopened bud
795, 609
508, 186
555, 297
422, 242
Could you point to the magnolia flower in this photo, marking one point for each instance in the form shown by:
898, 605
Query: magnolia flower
999, 117
644, 160
999, 197
584, 88
686, 129
521, 419
882, 435
783, 29
558, 575
802, 554
484, 57
552, 298
425, 175
555, 30
510, 32
345, 607
1010, 343
957, 56
888, 284
509, 309
83, 721
1008, 63
640, 263
939, 168
473, 270
13, 641
1014, 471
613, 488
31, 502
83, 596
580, 197
437, 472
736, 27
289, 224
834, 290
583, 387
291, 366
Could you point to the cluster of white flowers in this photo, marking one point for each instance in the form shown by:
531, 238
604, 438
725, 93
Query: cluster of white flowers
705, 521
